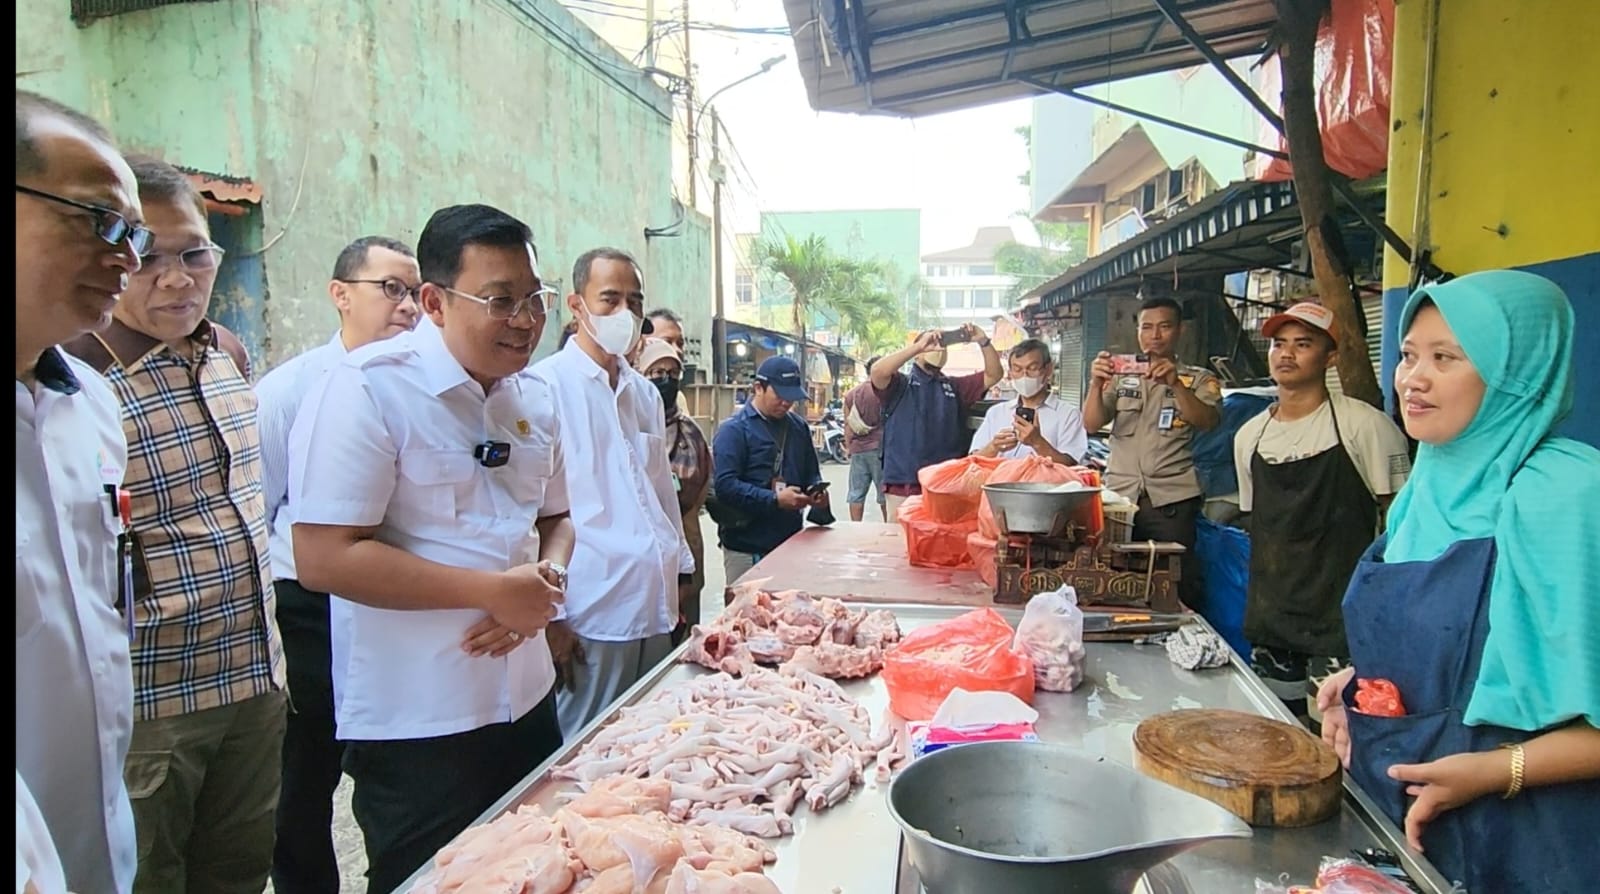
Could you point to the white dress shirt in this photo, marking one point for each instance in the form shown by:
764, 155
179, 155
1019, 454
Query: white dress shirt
74, 676
278, 398
622, 583
1060, 423
38, 863
386, 439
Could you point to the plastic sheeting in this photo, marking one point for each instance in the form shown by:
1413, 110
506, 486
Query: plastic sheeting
1224, 554
1354, 59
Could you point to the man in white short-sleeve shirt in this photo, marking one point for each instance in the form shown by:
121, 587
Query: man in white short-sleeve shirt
1038, 423
429, 497
374, 291
631, 556
1316, 472
79, 237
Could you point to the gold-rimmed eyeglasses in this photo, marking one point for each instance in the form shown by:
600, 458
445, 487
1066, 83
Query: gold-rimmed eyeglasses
506, 307
393, 289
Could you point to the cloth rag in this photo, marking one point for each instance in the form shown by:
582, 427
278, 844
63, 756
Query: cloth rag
1194, 648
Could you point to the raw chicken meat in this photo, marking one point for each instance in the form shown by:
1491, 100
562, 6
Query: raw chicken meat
824, 635
737, 752
688, 880
527, 852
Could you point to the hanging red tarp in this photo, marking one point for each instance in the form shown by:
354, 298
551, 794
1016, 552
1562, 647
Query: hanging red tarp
1355, 55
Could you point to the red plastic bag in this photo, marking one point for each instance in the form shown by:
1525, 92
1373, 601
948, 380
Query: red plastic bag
951, 489
1379, 698
931, 543
982, 549
1046, 471
1354, 59
972, 652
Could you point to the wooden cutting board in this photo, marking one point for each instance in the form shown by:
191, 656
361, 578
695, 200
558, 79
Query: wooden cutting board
1265, 772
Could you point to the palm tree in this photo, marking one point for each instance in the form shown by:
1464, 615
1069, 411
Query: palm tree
859, 294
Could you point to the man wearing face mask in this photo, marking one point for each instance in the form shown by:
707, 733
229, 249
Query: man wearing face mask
925, 411
1037, 423
631, 558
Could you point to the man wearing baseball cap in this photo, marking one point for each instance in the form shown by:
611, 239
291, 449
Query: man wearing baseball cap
1316, 472
766, 470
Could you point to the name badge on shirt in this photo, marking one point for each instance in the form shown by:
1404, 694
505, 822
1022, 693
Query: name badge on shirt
1169, 416
1128, 386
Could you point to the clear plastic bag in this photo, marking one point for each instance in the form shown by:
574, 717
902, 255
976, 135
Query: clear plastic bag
1051, 633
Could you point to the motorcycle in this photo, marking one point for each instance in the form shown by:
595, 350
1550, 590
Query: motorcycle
827, 436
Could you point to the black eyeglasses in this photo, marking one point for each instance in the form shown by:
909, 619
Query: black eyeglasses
505, 307
393, 289
199, 259
109, 225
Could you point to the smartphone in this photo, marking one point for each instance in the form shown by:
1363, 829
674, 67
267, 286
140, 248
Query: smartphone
1130, 364
1026, 414
816, 489
953, 337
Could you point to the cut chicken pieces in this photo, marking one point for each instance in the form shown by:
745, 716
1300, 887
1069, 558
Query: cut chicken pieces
823, 635
688, 880
737, 752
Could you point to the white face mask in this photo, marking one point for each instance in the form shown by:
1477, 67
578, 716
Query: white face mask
1027, 386
615, 333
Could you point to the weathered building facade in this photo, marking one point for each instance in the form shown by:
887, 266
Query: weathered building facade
314, 123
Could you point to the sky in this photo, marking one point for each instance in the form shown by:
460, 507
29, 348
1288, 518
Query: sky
960, 169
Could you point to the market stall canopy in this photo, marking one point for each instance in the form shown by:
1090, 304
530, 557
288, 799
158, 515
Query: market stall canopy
922, 57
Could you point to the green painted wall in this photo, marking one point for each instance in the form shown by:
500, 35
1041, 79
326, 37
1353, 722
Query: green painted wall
364, 117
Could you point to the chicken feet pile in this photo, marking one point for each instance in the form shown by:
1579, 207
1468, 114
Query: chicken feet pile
740, 752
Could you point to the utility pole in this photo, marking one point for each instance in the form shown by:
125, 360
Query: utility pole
719, 326
649, 34
688, 107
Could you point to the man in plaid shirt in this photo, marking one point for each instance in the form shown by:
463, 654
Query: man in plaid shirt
209, 705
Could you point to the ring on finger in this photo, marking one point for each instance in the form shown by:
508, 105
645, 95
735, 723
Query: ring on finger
516, 637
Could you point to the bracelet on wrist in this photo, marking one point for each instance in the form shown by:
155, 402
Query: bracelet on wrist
1519, 760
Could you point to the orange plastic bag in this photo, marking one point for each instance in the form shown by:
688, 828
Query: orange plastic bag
935, 544
982, 550
1046, 471
951, 489
972, 652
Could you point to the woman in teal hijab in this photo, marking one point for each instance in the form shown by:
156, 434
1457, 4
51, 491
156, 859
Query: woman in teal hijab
1482, 603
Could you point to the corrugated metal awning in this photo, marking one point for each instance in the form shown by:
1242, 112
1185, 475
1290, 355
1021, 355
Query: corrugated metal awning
922, 57
1224, 233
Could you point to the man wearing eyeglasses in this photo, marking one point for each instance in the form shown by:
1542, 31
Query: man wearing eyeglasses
208, 670
1037, 423
631, 558
429, 490
79, 236
374, 287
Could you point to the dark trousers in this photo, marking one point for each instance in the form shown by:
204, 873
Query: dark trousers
303, 860
1174, 522
412, 796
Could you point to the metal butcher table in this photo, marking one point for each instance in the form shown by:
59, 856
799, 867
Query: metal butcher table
854, 847
865, 562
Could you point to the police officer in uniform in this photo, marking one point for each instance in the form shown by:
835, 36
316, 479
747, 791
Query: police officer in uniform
1154, 414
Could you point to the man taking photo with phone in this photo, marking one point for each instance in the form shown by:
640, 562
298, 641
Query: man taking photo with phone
1153, 419
1037, 423
925, 411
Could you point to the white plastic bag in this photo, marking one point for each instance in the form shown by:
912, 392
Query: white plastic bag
1051, 633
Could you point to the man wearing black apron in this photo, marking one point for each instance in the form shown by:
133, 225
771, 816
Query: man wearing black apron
1315, 473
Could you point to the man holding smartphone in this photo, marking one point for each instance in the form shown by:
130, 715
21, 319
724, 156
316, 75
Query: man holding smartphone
925, 411
1153, 419
1037, 423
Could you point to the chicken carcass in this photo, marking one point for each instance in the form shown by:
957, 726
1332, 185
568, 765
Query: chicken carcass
827, 636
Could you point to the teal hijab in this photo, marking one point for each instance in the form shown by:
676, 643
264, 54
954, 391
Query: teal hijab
1507, 477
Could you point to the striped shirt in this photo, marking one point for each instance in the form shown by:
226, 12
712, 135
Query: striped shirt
205, 629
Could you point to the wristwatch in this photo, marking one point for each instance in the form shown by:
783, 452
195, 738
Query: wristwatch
560, 571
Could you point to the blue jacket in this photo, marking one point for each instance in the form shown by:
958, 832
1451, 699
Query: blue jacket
742, 454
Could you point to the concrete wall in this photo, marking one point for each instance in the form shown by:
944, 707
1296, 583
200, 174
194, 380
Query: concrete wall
365, 117
1515, 117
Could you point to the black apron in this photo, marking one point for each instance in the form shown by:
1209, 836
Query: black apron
1310, 522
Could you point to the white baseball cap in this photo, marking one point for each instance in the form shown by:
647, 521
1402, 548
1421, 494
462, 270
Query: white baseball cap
1310, 313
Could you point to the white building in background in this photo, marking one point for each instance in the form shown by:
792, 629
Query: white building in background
963, 283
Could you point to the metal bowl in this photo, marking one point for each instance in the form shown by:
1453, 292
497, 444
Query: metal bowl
1033, 818
1033, 507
